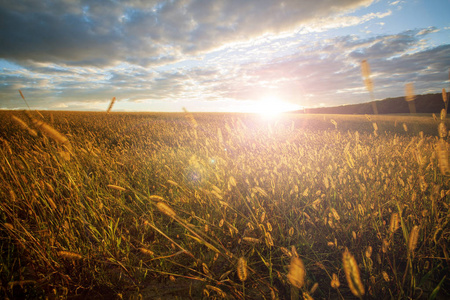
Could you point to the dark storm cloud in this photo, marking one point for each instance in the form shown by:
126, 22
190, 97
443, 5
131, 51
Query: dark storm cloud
93, 32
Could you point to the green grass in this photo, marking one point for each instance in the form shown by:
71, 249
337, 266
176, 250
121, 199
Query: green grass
240, 186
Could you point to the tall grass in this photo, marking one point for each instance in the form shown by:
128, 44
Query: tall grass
151, 205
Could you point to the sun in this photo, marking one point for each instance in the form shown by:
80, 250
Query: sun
272, 106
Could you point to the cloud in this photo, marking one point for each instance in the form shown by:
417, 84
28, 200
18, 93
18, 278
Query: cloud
326, 69
79, 54
329, 70
90, 32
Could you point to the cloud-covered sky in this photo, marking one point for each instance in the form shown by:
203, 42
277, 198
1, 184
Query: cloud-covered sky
221, 55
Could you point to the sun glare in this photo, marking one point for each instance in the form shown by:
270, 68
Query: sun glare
270, 107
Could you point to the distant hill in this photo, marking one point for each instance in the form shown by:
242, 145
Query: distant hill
429, 103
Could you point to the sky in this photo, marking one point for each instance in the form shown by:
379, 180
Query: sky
218, 55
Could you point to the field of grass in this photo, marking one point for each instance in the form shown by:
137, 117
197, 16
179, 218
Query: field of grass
223, 206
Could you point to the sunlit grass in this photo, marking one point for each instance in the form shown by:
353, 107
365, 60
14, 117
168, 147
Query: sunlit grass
223, 205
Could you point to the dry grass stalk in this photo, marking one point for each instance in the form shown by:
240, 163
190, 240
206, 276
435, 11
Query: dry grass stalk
21, 283
164, 208
242, 271
111, 105
297, 272
413, 238
352, 274
221, 293
24, 125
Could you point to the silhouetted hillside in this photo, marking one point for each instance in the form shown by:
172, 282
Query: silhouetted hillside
430, 103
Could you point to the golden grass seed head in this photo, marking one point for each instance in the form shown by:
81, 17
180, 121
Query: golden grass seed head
269, 240
286, 252
385, 246
365, 68
251, 240
269, 227
413, 238
385, 276
164, 208
335, 284
294, 251
368, 251
52, 133
375, 126
314, 288
205, 269
297, 272
21, 95
232, 181
442, 129
443, 114
352, 274
111, 105
116, 187
443, 159
70, 255
146, 252
291, 231
242, 269
9, 226
394, 223
409, 91
24, 125
335, 214
444, 96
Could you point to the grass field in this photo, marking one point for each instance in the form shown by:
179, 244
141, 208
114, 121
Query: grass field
233, 206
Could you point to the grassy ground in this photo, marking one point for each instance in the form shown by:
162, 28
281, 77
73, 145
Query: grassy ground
180, 206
